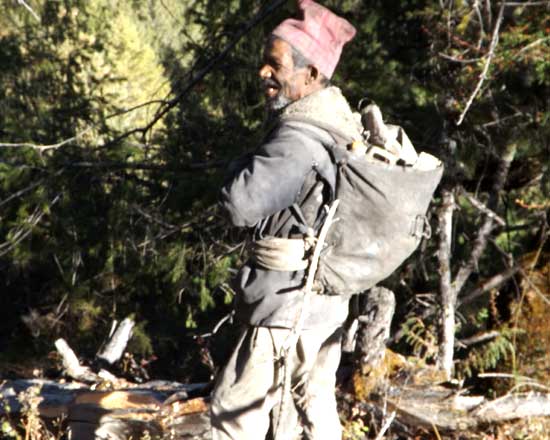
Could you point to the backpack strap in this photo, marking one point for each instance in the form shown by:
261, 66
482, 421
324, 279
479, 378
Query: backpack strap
337, 153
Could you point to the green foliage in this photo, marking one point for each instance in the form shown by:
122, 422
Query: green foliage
122, 219
488, 356
7, 430
421, 338
85, 245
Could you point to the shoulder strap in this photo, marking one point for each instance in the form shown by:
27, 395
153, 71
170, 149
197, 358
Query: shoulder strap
336, 151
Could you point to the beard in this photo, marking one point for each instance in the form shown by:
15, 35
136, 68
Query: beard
278, 102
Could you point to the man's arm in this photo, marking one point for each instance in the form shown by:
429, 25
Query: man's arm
271, 179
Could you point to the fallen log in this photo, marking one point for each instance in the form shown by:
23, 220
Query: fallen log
160, 409
114, 348
514, 406
426, 407
107, 356
92, 422
170, 410
449, 411
55, 397
71, 364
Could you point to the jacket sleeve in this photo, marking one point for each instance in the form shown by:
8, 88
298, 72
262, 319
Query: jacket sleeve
270, 180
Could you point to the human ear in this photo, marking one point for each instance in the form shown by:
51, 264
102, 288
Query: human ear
313, 74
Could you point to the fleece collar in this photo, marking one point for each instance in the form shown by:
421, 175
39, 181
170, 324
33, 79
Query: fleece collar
329, 107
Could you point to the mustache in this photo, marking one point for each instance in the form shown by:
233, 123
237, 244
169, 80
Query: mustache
270, 82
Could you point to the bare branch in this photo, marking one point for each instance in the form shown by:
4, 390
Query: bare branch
167, 9
21, 192
478, 339
532, 44
539, 3
481, 27
481, 207
520, 381
153, 219
42, 148
135, 107
34, 14
535, 288
25, 230
480, 242
111, 165
492, 283
458, 60
387, 423
488, 59
217, 327
501, 120
198, 76
71, 364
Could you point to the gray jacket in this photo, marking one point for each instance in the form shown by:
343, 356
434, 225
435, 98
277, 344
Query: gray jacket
292, 166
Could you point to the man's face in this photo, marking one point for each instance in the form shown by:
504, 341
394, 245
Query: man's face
282, 83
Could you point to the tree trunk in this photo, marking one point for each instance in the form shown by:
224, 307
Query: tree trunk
448, 295
374, 327
374, 321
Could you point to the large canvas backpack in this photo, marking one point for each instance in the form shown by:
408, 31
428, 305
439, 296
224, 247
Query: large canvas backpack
380, 220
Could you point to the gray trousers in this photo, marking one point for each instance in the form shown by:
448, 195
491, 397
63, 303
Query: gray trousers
247, 397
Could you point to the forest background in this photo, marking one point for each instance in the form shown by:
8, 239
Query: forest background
117, 119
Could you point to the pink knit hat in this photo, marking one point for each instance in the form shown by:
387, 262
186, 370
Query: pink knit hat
319, 35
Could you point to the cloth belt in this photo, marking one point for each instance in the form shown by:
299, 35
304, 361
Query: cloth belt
281, 254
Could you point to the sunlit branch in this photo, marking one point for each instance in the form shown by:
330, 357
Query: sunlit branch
458, 60
111, 165
532, 44
480, 19
24, 4
136, 107
501, 120
43, 148
21, 192
488, 60
481, 207
539, 3
24, 231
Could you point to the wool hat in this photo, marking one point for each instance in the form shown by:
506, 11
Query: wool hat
318, 34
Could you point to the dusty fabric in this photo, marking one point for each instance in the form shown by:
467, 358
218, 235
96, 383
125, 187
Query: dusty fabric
292, 166
291, 169
382, 210
246, 398
318, 34
382, 219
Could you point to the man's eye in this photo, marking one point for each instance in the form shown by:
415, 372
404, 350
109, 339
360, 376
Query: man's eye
273, 63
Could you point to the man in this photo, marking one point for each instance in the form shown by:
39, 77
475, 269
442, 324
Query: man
281, 190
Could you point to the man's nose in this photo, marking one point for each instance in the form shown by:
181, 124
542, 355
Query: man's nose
265, 72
